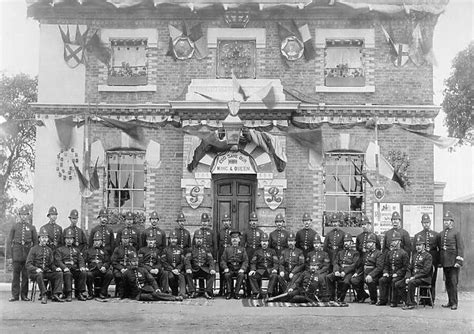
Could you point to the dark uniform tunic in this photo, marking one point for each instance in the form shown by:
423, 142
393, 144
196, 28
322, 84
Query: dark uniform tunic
263, 262
184, 239
278, 240
252, 238
333, 243
451, 252
55, 235
173, 258
420, 268
41, 257
306, 287
370, 265
291, 261
80, 239
96, 258
108, 240
361, 242
22, 237
150, 258
160, 237
121, 260
209, 240
134, 236
139, 284
70, 257
405, 243
234, 259
346, 261
305, 240
396, 262
431, 246
201, 262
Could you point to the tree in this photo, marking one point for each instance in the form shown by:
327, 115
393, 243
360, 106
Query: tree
17, 135
459, 95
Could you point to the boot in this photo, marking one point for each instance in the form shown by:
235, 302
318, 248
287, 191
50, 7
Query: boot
69, 297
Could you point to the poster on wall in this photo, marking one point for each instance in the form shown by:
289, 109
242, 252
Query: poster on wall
383, 215
412, 217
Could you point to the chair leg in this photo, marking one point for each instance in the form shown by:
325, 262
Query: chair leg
33, 291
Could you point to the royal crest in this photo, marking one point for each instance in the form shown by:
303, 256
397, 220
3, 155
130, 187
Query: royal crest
273, 196
194, 195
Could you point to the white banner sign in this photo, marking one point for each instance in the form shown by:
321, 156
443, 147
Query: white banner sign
383, 216
412, 217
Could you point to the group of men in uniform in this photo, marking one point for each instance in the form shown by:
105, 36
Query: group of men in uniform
146, 265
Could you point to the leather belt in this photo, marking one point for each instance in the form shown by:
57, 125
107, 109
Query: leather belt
369, 267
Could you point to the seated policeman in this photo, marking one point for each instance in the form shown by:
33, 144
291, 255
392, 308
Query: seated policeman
234, 263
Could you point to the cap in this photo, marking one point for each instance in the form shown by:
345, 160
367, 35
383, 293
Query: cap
396, 215
52, 211
24, 210
132, 256
448, 216
43, 232
234, 234
154, 215
69, 234
125, 233
253, 217
313, 261
291, 236
371, 238
103, 213
205, 217
419, 240
198, 234
264, 237
151, 235
74, 214
173, 234
98, 235
425, 218
128, 215
364, 220
181, 217
317, 239
279, 218
225, 217
347, 237
396, 236
306, 216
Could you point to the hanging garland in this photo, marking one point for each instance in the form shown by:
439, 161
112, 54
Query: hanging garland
64, 163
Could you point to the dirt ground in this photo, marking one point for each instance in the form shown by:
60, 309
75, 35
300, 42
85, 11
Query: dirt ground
220, 315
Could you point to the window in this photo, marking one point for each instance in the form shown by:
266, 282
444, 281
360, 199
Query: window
126, 181
344, 186
129, 63
344, 63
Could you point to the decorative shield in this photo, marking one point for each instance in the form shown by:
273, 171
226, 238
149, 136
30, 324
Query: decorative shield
402, 54
379, 193
74, 46
183, 48
194, 195
292, 48
273, 196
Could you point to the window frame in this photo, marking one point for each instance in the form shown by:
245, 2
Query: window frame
134, 78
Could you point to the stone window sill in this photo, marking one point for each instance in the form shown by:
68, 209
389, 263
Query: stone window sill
365, 89
147, 88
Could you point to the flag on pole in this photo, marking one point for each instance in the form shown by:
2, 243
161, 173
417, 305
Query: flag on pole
237, 88
416, 51
94, 181
200, 41
99, 49
439, 141
309, 51
373, 158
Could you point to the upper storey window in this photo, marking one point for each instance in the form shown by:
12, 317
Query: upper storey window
344, 63
129, 63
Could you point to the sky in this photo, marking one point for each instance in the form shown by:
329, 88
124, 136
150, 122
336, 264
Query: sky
19, 41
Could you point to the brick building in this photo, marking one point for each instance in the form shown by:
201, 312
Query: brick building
150, 88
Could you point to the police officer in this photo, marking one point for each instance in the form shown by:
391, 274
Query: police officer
234, 264
223, 241
149, 257
291, 263
140, 285
369, 270
172, 260
432, 246
132, 232
80, 239
40, 266
55, 232
160, 235
395, 267
98, 266
209, 240
108, 239
199, 263
252, 236
361, 239
334, 240
305, 237
279, 237
418, 273
344, 268
451, 258
182, 234
71, 262
121, 261
22, 237
264, 263
397, 227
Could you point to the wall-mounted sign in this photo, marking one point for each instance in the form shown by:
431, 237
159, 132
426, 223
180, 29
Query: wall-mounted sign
379, 193
233, 163
194, 195
273, 196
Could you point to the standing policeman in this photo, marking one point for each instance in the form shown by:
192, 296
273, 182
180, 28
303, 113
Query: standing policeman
107, 234
397, 227
279, 237
22, 237
305, 237
451, 258
55, 232
183, 236
223, 241
80, 240
334, 241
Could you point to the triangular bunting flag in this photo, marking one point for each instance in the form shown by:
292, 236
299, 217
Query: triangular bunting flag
441, 142
309, 51
237, 89
94, 181
200, 41
133, 130
64, 128
101, 51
